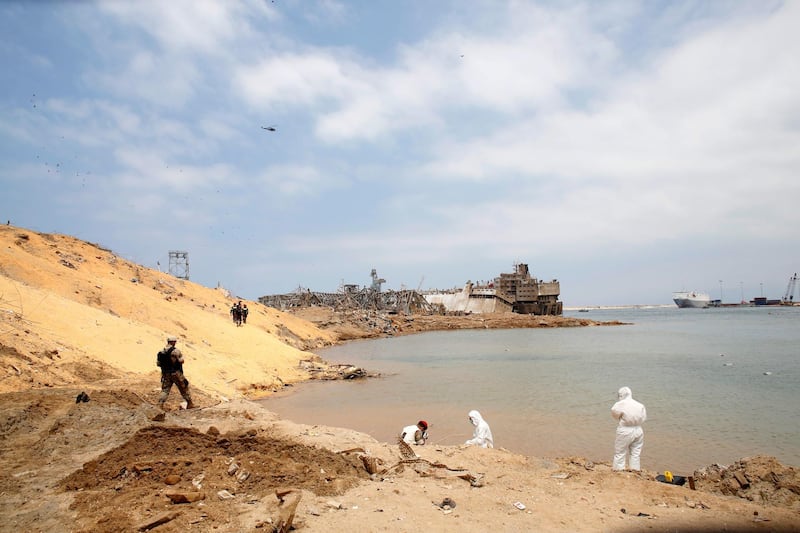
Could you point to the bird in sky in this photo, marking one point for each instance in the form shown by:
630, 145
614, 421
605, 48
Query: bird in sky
268, 128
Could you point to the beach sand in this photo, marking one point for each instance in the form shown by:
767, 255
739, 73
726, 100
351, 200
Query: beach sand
74, 317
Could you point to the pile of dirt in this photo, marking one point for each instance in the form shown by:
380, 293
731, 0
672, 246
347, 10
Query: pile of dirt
159, 465
759, 479
115, 462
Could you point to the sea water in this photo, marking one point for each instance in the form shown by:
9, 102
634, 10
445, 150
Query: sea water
719, 384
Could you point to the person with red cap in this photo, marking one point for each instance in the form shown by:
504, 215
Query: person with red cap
417, 434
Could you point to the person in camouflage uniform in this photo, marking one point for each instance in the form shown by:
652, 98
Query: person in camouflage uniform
170, 359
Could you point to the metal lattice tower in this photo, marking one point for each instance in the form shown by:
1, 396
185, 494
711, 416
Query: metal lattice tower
179, 264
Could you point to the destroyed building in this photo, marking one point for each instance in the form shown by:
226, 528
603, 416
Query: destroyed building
515, 292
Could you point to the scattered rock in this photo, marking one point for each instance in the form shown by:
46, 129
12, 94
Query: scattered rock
371, 464
156, 521
447, 503
760, 478
286, 510
142, 467
185, 497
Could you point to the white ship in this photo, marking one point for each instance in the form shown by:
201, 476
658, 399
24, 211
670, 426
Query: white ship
691, 299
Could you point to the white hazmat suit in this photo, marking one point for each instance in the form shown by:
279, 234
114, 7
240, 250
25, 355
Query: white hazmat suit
630, 436
481, 435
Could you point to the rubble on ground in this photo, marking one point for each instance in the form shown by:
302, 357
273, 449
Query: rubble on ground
760, 478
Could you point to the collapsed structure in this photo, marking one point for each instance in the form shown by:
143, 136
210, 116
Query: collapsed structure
351, 297
515, 292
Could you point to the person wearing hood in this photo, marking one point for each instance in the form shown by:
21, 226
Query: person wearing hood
415, 434
630, 436
482, 434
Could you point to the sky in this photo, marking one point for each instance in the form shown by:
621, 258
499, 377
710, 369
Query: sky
628, 149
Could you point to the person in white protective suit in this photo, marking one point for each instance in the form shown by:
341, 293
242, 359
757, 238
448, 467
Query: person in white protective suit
630, 436
482, 434
416, 434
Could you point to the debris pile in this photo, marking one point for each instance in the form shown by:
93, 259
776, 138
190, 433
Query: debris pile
168, 468
760, 478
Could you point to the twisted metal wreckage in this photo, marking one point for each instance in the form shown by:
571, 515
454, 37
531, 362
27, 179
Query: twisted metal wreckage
516, 292
352, 298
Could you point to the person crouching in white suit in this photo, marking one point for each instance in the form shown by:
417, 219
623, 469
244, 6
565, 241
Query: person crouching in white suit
630, 436
481, 435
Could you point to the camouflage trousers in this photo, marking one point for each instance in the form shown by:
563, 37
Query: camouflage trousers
177, 378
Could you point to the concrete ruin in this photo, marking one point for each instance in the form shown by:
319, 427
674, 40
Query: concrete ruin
515, 292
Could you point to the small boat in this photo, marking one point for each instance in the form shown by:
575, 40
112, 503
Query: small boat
691, 299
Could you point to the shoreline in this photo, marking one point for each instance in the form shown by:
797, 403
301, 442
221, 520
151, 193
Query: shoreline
663, 442
354, 325
229, 460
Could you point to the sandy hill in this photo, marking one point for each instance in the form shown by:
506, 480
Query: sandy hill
75, 312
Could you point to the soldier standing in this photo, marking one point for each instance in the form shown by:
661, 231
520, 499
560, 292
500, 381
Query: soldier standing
170, 359
236, 313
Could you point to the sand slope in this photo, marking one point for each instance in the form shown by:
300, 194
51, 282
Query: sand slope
76, 311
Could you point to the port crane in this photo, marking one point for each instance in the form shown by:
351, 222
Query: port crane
788, 298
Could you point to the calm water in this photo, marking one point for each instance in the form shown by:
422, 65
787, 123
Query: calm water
718, 384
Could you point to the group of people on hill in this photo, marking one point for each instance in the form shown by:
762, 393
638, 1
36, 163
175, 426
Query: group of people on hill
628, 443
239, 313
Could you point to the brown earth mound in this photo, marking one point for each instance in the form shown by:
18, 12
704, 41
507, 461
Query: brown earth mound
136, 477
111, 463
760, 479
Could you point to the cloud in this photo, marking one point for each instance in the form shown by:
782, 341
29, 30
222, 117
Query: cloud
705, 133
297, 180
296, 79
327, 12
165, 81
146, 169
201, 26
168, 53
525, 68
